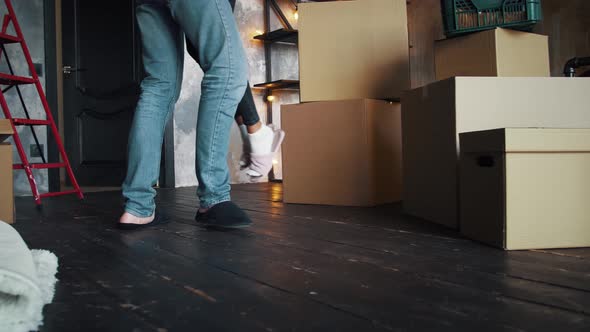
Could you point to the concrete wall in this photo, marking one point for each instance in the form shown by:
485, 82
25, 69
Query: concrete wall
30, 16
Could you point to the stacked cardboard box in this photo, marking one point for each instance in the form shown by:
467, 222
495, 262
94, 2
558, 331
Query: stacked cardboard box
353, 49
497, 52
516, 93
434, 116
6, 185
343, 143
526, 188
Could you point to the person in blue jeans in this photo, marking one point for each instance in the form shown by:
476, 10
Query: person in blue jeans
212, 32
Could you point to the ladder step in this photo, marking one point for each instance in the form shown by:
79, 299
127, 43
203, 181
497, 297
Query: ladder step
59, 193
8, 39
30, 122
7, 79
40, 166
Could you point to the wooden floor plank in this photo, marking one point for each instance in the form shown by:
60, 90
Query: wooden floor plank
368, 268
172, 282
522, 265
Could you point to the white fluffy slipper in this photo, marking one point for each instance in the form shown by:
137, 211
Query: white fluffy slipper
27, 282
261, 164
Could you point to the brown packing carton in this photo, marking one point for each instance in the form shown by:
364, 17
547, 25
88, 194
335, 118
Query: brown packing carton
435, 114
526, 188
5, 130
497, 52
342, 152
6, 185
353, 49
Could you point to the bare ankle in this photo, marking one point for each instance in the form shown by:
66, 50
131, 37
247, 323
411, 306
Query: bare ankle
254, 128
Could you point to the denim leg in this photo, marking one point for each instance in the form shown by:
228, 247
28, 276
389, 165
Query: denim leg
163, 51
246, 107
211, 29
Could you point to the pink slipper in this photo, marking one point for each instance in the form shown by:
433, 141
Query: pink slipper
262, 163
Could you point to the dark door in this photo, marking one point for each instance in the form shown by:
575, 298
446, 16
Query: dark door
102, 73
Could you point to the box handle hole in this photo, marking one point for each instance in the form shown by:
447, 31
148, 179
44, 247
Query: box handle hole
486, 161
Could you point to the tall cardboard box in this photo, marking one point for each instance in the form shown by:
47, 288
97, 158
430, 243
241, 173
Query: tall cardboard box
526, 188
435, 114
497, 52
6, 185
342, 152
353, 49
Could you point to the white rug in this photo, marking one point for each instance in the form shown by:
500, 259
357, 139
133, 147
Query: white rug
27, 282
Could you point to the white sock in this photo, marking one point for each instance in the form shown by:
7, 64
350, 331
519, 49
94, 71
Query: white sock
261, 141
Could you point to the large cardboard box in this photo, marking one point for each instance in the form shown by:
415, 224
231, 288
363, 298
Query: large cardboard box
497, 52
435, 114
342, 152
526, 188
6, 185
353, 49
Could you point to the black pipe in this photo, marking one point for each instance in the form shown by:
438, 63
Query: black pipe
570, 67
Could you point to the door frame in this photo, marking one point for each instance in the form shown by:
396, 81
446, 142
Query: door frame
51, 86
54, 94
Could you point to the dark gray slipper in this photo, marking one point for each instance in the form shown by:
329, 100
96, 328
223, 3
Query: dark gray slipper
225, 215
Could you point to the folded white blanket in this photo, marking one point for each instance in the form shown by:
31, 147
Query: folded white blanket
27, 282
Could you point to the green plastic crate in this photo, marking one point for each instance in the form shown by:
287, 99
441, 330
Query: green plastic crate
464, 16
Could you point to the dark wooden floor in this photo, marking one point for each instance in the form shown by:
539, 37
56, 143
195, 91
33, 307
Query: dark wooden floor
299, 268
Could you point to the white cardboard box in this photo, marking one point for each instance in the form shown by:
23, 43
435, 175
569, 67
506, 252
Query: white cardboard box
435, 114
526, 188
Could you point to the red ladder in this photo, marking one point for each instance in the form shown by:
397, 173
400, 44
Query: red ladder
10, 81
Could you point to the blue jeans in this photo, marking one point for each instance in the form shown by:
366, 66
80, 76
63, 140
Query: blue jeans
247, 107
211, 29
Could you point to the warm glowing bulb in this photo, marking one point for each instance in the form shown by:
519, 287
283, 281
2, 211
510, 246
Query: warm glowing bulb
275, 162
296, 15
270, 98
259, 32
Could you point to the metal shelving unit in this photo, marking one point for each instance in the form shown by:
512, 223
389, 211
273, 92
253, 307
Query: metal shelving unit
286, 35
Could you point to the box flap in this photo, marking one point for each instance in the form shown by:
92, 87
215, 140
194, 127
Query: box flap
5, 129
482, 141
547, 140
514, 140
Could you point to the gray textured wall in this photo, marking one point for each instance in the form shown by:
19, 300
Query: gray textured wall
30, 16
249, 15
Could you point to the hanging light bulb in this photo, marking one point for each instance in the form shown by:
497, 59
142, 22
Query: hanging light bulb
296, 14
270, 98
